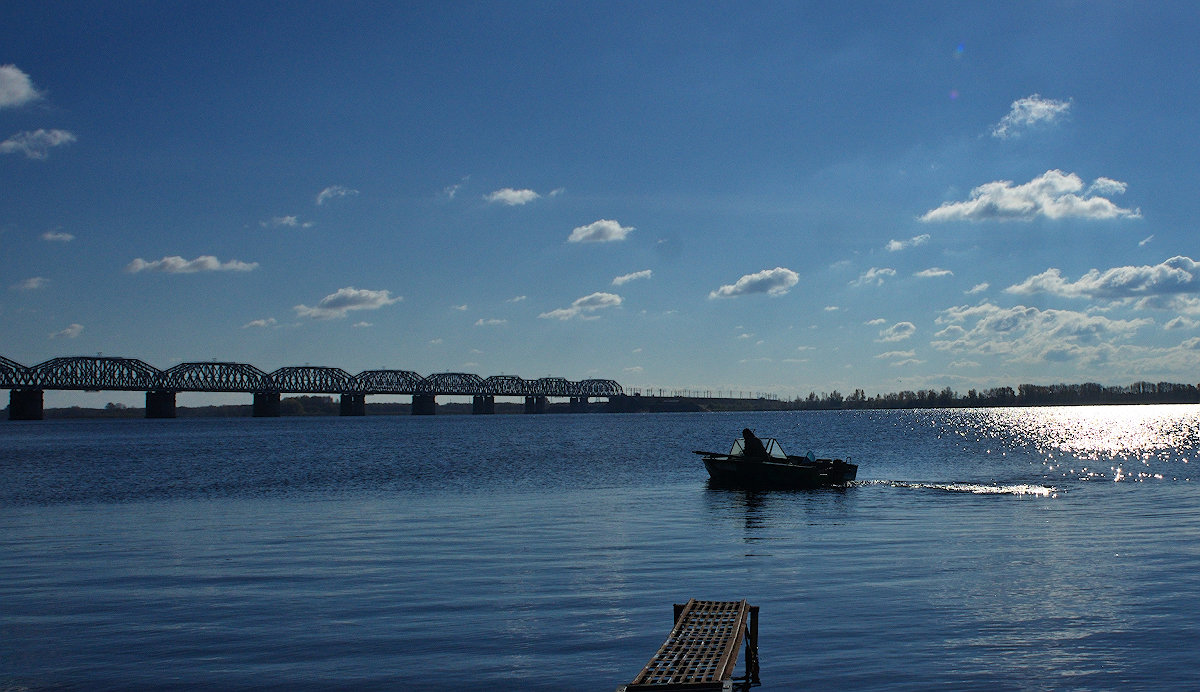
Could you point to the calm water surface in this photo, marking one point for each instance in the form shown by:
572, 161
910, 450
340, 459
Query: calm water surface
1018, 549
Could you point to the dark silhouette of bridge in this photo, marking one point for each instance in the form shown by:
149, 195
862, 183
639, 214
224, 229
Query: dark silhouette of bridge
27, 385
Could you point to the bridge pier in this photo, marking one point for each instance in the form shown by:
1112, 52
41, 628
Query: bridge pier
536, 404
483, 404
266, 405
354, 405
25, 404
160, 404
579, 404
424, 405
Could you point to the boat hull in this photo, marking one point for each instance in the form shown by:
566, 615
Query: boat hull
726, 470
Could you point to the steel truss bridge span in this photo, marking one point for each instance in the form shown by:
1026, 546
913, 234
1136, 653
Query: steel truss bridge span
99, 373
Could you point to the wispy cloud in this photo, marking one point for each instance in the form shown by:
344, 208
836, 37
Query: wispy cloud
517, 299
896, 354
1145, 241
31, 284
16, 88
602, 231
978, 288
260, 324
57, 237
492, 322
70, 332
1029, 334
451, 191
178, 265
344, 300
1027, 113
285, 222
584, 307
933, 272
1053, 195
915, 241
626, 278
874, 276
36, 144
773, 282
334, 192
897, 332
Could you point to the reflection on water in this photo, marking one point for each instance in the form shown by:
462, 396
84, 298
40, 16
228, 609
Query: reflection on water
1116, 443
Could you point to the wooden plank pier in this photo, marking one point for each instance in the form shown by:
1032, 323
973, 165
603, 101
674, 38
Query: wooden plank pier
701, 651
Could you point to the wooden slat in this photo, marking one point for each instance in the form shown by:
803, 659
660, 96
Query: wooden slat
701, 651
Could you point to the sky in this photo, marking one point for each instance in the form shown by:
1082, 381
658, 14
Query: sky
733, 197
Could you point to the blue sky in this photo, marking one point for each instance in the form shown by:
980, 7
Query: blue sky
767, 197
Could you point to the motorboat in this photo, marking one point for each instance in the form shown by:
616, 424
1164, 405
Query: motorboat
762, 463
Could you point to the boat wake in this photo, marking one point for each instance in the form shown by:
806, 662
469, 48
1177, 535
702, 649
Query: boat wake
1020, 489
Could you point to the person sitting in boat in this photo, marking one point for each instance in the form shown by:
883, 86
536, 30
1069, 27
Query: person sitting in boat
752, 446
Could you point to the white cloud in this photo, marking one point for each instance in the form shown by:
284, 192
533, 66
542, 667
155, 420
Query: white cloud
933, 272
16, 89
517, 299
626, 278
451, 191
57, 237
897, 332
1181, 322
285, 222
36, 144
361, 325
1029, 112
460, 308
334, 192
512, 197
31, 284
1054, 195
336, 305
875, 322
260, 324
897, 354
915, 241
602, 231
979, 288
584, 307
1028, 334
873, 276
831, 308
490, 322
1177, 275
70, 332
178, 265
773, 282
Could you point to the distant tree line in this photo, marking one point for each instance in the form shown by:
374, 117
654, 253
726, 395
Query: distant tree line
1085, 394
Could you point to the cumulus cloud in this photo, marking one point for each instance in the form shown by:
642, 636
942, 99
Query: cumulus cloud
1053, 195
1177, 275
1028, 334
915, 241
873, 276
773, 282
933, 272
70, 332
260, 324
57, 237
512, 197
336, 305
178, 265
584, 307
602, 231
36, 144
897, 332
31, 284
1027, 113
16, 89
334, 192
626, 278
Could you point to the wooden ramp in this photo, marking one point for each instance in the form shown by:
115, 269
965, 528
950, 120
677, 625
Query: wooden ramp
702, 650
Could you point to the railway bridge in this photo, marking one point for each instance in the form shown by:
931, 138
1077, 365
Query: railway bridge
27, 385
